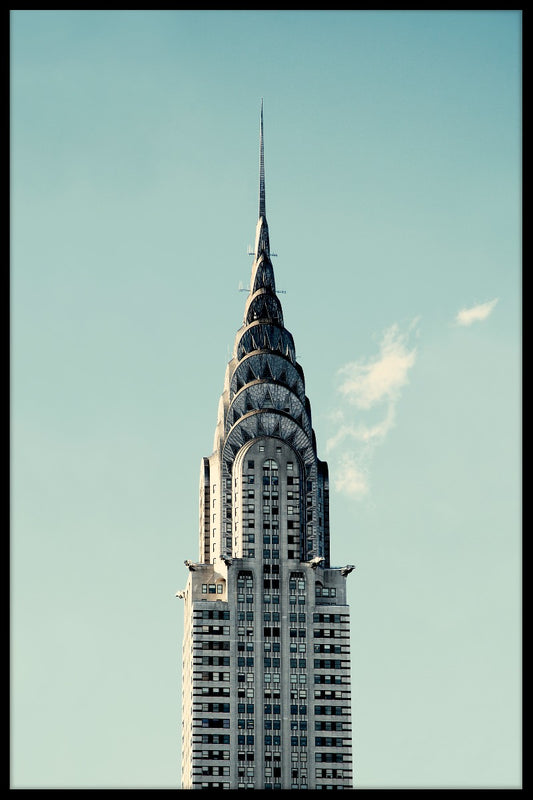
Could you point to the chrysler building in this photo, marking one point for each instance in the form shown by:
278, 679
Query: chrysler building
266, 698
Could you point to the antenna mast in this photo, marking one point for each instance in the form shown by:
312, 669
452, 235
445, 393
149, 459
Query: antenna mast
262, 211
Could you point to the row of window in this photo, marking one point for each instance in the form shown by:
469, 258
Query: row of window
329, 773
214, 770
270, 464
215, 738
274, 631
250, 508
325, 591
245, 740
330, 617
212, 785
267, 480
331, 710
272, 709
213, 588
215, 629
329, 725
216, 661
247, 708
269, 631
212, 614
217, 722
331, 648
249, 494
325, 725
329, 679
330, 663
268, 538
331, 757
268, 524
212, 755
331, 741
272, 740
213, 691
330, 633
224, 755
249, 598
269, 583
212, 645
214, 676
293, 662
333, 786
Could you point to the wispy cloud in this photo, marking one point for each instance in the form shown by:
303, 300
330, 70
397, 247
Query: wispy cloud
365, 385
475, 314
380, 378
352, 477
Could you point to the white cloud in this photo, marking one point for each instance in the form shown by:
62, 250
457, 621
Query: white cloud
351, 478
369, 435
469, 315
368, 383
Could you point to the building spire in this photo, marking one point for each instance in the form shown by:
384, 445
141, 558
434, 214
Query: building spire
262, 210
262, 243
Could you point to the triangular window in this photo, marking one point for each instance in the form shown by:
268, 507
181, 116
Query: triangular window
267, 372
267, 401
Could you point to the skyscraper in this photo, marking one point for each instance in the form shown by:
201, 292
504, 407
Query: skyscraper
266, 650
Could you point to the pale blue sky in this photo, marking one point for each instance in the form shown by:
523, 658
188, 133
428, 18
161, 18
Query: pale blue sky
393, 179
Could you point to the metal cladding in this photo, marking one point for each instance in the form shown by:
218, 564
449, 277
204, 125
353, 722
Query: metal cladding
264, 391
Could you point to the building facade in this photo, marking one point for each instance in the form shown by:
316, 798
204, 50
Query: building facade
266, 653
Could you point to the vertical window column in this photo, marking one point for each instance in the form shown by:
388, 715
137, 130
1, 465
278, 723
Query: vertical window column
245, 681
298, 680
